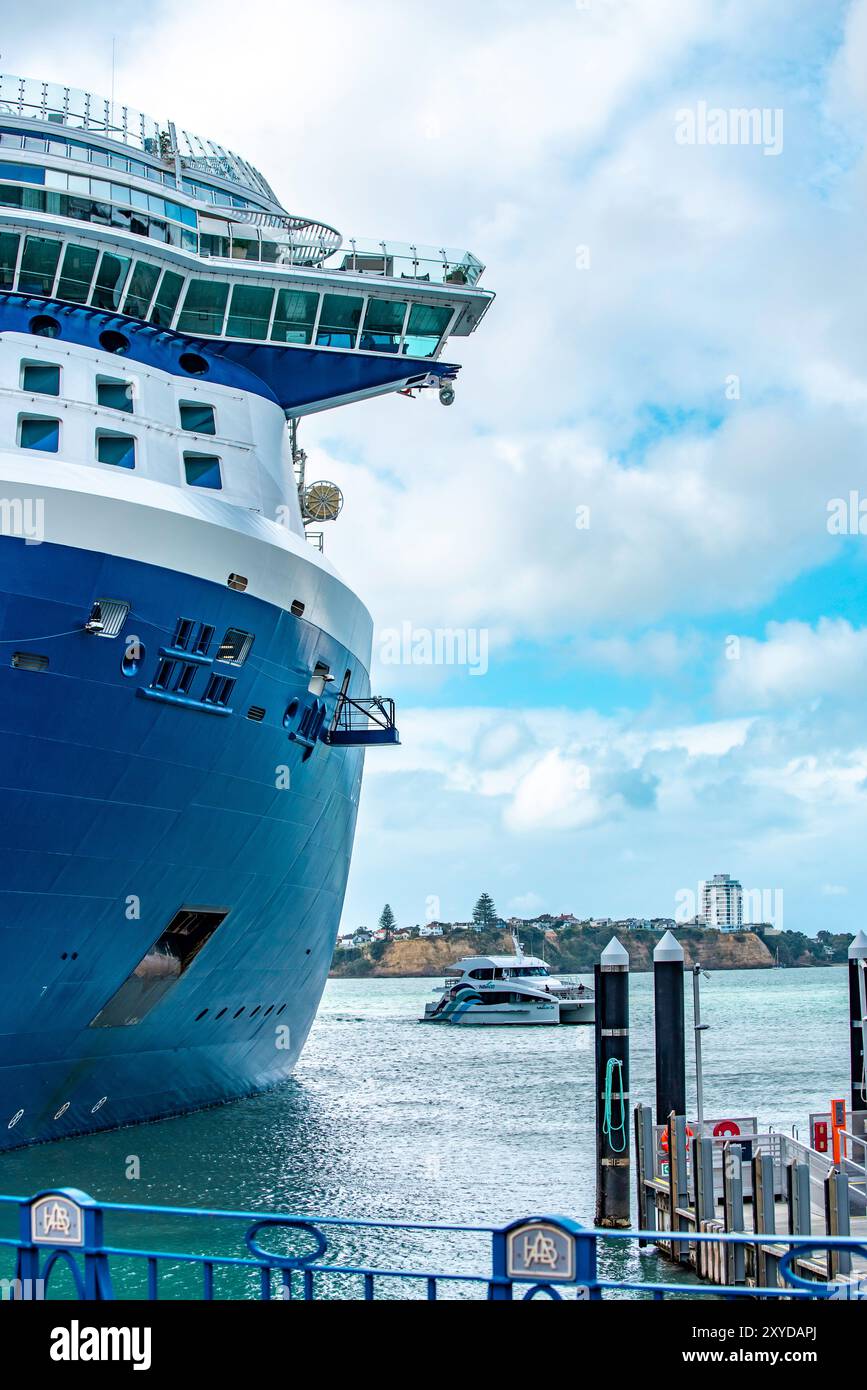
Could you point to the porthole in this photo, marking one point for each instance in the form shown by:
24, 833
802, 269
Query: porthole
239, 1012
99, 1104
253, 1012
268, 1010
280, 1010
291, 711
193, 362
113, 341
44, 326
220, 1014
15, 1118
200, 1016
63, 1109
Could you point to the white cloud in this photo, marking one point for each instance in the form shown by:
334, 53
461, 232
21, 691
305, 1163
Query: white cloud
797, 663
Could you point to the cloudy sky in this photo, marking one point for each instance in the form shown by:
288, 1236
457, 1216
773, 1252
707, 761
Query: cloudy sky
630, 510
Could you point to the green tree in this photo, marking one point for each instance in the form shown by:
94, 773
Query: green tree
484, 912
387, 922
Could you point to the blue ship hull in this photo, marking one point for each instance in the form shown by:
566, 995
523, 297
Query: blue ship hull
117, 811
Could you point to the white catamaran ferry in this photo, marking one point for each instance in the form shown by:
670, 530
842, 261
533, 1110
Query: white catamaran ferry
497, 990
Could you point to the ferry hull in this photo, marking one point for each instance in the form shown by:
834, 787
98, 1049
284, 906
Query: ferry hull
118, 811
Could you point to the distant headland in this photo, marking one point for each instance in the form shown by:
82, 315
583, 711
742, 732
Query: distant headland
574, 947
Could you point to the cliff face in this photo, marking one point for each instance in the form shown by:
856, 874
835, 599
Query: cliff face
573, 952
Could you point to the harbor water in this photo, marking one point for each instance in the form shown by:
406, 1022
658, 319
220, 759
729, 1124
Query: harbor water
389, 1119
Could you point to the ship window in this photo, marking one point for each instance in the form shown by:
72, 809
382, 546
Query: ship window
161, 967
183, 633
427, 323
197, 417
339, 320
142, 284
482, 974
43, 378
114, 393
237, 581
383, 324
8, 258
235, 646
110, 281
76, 273
203, 639
204, 307
218, 690
294, 316
29, 661
38, 265
203, 470
249, 311
39, 432
117, 449
167, 298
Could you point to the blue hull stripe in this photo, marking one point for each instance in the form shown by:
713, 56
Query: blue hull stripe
118, 811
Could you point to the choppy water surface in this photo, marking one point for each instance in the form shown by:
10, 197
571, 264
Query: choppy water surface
389, 1119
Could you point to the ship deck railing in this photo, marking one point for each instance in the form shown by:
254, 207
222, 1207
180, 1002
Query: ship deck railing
63, 1244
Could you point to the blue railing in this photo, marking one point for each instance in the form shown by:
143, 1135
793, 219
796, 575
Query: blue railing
64, 1232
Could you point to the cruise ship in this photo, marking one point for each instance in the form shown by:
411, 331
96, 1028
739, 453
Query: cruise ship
185, 701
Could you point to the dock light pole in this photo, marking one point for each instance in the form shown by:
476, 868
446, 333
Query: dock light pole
611, 978
857, 1028
669, 1028
699, 1028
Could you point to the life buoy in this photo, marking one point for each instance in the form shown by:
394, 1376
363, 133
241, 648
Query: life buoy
726, 1127
664, 1139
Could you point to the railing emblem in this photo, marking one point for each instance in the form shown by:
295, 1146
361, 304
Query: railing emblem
540, 1248
56, 1220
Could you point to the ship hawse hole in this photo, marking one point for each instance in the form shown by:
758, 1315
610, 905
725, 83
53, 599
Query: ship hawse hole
194, 363
44, 326
29, 661
161, 967
112, 341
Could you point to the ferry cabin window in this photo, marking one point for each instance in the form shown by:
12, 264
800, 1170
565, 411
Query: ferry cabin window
116, 449
482, 974
197, 417
249, 311
339, 320
294, 316
203, 470
110, 281
38, 265
167, 298
76, 273
43, 378
140, 290
427, 323
115, 394
38, 432
204, 307
383, 325
8, 258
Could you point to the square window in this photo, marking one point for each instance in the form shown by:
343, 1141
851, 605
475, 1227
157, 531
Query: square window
197, 417
203, 470
36, 432
117, 449
117, 395
235, 646
40, 377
